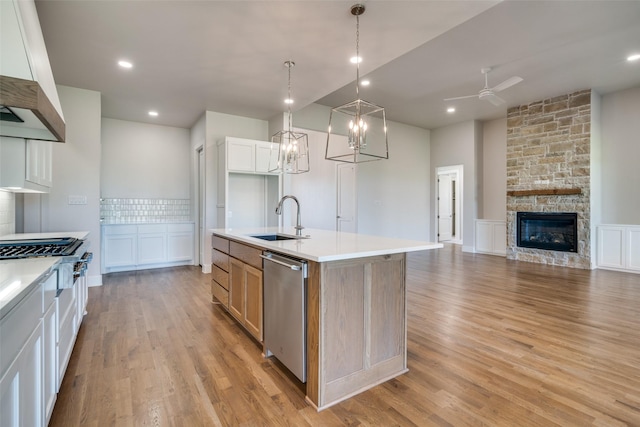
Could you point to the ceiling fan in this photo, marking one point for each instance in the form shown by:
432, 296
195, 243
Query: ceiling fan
489, 94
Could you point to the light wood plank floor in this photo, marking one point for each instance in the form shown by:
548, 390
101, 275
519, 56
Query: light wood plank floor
491, 343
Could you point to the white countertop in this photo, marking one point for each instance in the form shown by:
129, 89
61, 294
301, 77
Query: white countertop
17, 276
81, 235
326, 245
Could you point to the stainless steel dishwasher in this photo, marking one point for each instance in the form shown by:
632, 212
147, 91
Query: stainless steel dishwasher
285, 311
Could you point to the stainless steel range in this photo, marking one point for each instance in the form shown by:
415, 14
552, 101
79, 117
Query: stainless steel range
74, 258
12, 249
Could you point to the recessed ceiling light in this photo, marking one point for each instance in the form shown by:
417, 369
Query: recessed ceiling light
125, 64
634, 57
288, 101
365, 82
451, 110
356, 59
153, 113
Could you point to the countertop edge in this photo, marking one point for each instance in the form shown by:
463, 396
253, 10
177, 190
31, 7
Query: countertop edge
289, 247
6, 307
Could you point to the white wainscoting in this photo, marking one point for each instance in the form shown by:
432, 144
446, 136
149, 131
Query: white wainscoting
491, 237
618, 247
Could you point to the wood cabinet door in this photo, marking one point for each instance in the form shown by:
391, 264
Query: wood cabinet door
236, 289
253, 301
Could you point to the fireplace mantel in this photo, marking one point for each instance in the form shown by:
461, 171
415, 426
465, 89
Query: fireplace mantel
545, 192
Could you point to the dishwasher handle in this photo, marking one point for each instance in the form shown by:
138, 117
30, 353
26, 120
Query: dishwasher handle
293, 267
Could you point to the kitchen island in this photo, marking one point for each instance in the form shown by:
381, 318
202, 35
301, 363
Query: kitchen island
356, 319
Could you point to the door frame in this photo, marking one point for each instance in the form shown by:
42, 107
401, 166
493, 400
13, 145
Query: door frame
458, 170
340, 166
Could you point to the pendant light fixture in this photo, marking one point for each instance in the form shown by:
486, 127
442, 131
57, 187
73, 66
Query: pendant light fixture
364, 123
292, 148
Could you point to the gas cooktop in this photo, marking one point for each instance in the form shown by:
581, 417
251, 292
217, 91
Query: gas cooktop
12, 249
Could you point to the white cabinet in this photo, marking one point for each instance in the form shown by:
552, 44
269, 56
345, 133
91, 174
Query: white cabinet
138, 247
491, 237
247, 155
152, 244
26, 165
50, 378
39, 162
618, 247
247, 192
22, 364
180, 242
119, 246
66, 336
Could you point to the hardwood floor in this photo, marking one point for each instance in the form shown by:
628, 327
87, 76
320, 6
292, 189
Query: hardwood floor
491, 342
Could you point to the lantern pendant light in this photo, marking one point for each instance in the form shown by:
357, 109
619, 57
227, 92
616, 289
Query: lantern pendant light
289, 149
364, 123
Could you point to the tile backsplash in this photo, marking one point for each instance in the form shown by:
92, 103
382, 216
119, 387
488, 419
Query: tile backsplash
7, 213
131, 211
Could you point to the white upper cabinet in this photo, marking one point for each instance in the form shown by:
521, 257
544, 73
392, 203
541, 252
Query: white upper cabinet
26, 165
27, 86
247, 155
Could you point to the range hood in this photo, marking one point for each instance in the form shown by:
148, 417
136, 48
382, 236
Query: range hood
28, 113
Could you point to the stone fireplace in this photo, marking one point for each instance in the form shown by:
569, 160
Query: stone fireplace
549, 170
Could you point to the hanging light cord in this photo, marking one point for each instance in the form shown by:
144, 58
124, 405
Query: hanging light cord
289, 65
358, 56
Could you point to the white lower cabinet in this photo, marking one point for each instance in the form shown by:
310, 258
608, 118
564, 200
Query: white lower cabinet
66, 321
618, 247
22, 363
50, 384
491, 237
138, 247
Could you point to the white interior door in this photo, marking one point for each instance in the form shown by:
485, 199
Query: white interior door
445, 207
347, 202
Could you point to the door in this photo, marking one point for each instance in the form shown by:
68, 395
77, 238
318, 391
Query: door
347, 201
236, 289
253, 301
445, 207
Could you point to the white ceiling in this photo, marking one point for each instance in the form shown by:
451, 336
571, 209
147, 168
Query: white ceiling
227, 56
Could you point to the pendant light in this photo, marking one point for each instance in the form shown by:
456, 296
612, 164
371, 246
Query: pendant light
364, 123
289, 149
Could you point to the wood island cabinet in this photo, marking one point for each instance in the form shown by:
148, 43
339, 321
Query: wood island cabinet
237, 282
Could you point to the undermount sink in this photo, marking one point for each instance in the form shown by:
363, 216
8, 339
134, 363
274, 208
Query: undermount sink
278, 236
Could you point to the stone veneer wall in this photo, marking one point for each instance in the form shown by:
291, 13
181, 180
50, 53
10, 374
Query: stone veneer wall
548, 147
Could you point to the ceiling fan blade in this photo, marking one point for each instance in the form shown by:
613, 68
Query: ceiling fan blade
507, 83
461, 97
494, 99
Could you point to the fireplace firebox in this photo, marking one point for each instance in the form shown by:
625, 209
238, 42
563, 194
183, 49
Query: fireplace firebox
554, 231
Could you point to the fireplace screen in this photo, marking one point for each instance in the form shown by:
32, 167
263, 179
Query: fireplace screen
548, 230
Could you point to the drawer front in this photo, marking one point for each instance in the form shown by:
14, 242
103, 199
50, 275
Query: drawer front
152, 228
220, 276
112, 230
221, 244
247, 254
220, 259
180, 228
219, 293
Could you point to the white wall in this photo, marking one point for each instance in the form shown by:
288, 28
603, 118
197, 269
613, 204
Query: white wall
458, 145
76, 171
494, 170
141, 160
620, 151
393, 195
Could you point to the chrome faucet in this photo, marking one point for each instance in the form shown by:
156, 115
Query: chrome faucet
298, 227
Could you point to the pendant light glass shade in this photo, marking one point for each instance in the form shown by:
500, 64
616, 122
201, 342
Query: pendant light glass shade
364, 123
292, 148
